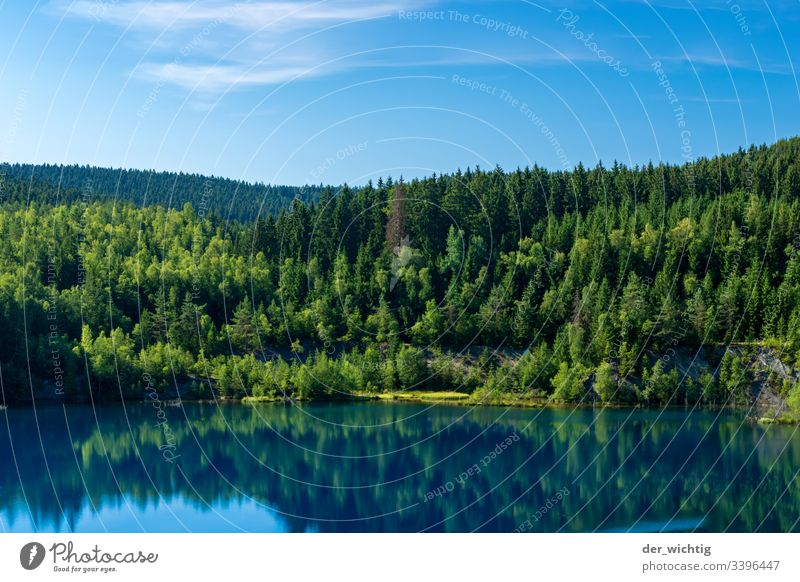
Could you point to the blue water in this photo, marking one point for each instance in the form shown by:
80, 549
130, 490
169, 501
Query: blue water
392, 467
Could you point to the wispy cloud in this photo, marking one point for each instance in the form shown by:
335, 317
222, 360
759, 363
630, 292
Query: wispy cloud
216, 78
719, 100
729, 62
213, 46
241, 15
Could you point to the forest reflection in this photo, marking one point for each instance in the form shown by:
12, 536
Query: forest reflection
393, 467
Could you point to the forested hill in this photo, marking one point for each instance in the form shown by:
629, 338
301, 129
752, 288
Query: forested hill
229, 199
562, 285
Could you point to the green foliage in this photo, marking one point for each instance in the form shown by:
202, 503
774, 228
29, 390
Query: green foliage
794, 402
412, 369
431, 326
567, 273
447, 373
534, 369
605, 385
661, 386
164, 362
164, 188
709, 388
692, 390
733, 379
322, 377
568, 383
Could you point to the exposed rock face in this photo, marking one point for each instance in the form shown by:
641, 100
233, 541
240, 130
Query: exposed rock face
768, 372
770, 375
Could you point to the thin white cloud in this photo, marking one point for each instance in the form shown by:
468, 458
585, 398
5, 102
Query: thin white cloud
720, 100
226, 76
717, 60
241, 15
220, 46
217, 78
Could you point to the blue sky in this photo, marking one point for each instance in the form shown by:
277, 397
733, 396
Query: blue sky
343, 91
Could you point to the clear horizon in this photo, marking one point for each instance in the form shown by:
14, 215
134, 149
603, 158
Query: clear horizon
605, 164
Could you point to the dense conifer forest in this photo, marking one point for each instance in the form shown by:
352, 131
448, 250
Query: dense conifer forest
528, 284
230, 199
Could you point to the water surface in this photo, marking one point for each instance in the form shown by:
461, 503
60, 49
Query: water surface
392, 467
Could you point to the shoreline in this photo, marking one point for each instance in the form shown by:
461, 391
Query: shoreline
411, 397
461, 399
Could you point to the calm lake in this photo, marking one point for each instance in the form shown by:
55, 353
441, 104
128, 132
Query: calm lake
392, 467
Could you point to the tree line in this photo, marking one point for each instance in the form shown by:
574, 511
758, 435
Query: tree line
553, 284
229, 199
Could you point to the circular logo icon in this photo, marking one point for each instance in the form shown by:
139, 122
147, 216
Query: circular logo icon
31, 555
